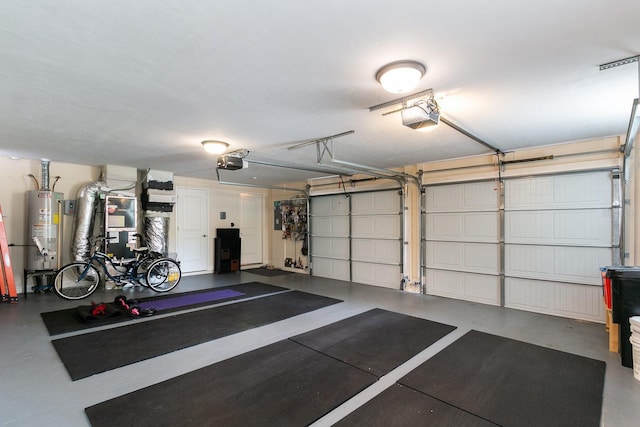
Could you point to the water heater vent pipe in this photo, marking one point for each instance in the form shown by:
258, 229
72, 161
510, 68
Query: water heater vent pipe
45, 174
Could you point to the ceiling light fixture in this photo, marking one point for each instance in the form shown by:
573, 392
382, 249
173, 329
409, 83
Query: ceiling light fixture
215, 147
400, 76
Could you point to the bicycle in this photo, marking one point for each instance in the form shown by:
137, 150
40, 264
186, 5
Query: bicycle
78, 280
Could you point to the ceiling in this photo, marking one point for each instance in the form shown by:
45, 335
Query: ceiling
142, 83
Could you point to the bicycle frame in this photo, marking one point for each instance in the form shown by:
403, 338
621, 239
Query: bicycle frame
80, 279
104, 261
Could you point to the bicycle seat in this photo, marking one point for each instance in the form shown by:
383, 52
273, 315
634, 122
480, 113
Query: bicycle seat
141, 249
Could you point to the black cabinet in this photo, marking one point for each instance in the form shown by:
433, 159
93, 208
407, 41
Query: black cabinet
227, 250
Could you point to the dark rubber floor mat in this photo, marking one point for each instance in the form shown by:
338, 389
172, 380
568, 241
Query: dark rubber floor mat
100, 351
513, 383
400, 406
283, 384
376, 341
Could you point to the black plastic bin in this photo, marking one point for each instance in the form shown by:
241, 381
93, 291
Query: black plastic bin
625, 297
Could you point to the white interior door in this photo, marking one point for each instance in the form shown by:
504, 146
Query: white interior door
251, 228
192, 214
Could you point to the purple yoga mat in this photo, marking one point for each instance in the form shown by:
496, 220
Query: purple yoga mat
181, 301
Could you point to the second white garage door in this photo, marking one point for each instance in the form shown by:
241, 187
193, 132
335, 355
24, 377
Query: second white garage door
358, 238
557, 231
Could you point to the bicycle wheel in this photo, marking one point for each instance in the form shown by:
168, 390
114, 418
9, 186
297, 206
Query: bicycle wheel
163, 275
76, 281
141, 271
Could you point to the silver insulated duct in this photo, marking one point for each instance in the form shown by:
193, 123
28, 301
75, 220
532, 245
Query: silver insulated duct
87, 201
156, 232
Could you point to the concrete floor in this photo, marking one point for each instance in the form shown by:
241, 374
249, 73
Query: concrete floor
36, 389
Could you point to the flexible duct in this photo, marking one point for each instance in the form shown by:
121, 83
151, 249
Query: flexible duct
156, 232
86, 204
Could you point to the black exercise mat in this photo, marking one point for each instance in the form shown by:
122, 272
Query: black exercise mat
95, 352
376, 341
401, 406
63, 321
513, 383
268, 272
282, 384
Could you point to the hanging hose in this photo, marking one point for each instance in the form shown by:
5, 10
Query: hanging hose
35, 180
53, 187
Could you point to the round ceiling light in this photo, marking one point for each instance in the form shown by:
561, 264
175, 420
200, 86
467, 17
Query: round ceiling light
215, 147
400, 76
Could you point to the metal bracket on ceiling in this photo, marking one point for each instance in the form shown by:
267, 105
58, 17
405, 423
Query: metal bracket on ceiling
323, 145
619, 62
327, 148
634, 121
240, 153
324, 140
428, 93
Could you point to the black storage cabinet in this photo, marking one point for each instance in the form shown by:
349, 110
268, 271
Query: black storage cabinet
227, 250
625, 298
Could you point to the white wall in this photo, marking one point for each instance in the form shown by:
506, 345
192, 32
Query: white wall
222, 198
280, 248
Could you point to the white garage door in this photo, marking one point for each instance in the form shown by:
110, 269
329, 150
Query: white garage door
462, 248
376, 232
358, 238
330, 243
558, 232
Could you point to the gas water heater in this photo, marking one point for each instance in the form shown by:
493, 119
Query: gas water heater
44, 224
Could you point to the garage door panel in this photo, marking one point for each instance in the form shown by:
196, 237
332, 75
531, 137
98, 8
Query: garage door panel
470, 227
558, 232
331, 268
330, 226
371, 226
464, 256
330, 205
590, 227
557, 263
382, 251
480, 288
332, 247
587, 190
379, 203
387, 276
557, 298
358, 238
476, 196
